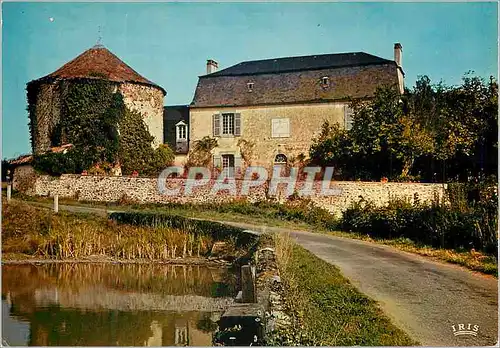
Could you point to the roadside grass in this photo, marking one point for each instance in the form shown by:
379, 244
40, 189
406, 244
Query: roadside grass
473, 260
36, 232
268, 216
326, 308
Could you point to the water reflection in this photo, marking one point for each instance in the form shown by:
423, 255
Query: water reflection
107, 305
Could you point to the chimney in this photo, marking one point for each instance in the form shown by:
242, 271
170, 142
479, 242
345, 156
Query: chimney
212, 66
398, 54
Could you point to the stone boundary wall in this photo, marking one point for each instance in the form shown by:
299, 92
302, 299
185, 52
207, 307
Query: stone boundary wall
145, 190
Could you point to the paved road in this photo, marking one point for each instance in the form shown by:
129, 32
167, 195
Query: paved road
423, 297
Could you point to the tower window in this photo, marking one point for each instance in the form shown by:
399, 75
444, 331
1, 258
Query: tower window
250, 86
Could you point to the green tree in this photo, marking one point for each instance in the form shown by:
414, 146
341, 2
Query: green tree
455, 127
136, 152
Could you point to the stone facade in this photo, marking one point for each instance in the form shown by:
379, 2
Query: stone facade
301, 91
145, 190
48, 113
147, 100
305, 121
23, 179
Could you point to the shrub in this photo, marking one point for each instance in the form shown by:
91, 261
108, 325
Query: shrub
463, 224
74, 161
162, 157
201, 153
136, 153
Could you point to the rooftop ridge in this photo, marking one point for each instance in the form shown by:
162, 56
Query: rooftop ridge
98, 59
300, 63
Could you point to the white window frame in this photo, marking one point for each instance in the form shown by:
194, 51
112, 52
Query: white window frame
277, 131
348, 120
227, 123
178, 131
226, 160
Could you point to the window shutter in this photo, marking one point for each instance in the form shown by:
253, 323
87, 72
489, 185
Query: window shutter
217, 161
216, 125
237, 165
285, 126
348, 112
237, 161
237, 125
274, 127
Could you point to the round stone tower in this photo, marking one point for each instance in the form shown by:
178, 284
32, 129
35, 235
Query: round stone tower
139, 94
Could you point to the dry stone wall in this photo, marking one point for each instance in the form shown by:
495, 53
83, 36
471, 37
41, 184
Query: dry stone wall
145, 190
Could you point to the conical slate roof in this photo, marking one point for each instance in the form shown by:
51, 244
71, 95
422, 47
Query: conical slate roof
99, 61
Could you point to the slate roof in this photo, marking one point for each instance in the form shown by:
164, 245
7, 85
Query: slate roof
287, 64
99, 61
171, 116
295, 80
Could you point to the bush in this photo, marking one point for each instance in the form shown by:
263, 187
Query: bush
162, 157
463, 224
201, 153
73, 162
136, 153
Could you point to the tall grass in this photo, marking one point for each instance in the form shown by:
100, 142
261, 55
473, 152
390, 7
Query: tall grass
37, 232
164, 220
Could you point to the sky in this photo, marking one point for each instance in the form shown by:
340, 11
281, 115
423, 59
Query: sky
169, 43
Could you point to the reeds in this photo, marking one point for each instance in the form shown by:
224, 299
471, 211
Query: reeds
74, 237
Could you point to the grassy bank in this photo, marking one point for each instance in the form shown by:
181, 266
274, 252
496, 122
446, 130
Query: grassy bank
326, 308
35, 232
298, 216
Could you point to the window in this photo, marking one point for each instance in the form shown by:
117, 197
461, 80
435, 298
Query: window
228, 165
325, 81
280, 158
181, 132
348, 121
227, 124
280, 128
250, 86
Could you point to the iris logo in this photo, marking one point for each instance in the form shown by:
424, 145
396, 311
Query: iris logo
465, 329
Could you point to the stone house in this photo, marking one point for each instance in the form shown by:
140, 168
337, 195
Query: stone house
262, 112
277, 106
139, 93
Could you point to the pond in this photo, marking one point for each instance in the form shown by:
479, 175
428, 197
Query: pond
113, 304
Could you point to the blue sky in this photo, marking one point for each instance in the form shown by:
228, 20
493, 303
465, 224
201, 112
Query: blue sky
169, 43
